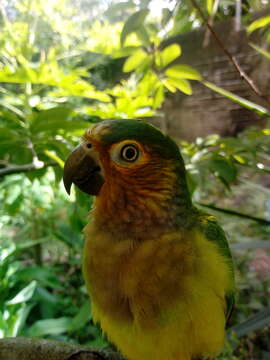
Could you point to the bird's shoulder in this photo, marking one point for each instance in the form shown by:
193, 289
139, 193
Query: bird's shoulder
214, 233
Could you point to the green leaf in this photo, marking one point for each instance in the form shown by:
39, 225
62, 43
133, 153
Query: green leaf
260, 50
181, 84
12, 196
11, 107
20, 318
134, 60
50, 327
99, 342
183, 71
5, 253
43, 275
67, 235
83, 316
239, 100
125, 51
24, 295
166, 16
30, 243
133, 23
70, 83
143, 35
52, 120
191, 182
224, 168
146, 65
15, 206
257, 24
42, 118
7, 134
168, 54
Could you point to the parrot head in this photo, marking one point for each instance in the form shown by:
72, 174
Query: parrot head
135, 171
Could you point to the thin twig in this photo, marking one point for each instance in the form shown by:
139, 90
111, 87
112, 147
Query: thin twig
233, 60
236, 213
211, 22
15, 169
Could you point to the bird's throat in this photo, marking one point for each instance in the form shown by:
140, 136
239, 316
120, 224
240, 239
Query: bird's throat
144, 210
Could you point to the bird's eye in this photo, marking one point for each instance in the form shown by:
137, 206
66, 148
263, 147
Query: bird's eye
129, 153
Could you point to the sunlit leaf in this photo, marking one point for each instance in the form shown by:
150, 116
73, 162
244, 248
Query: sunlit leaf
11, 107
24, 295
52, 75
260, 50
134, 60
158, 97
167, 55
259, 23
55, 157
20, 319
169, 85
243, 102
181, 84
239, 159
7, 252
183, 71
209, 5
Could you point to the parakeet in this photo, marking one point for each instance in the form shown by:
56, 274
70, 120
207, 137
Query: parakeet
158, 271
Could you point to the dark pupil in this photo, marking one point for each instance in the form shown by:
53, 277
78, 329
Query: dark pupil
130, 153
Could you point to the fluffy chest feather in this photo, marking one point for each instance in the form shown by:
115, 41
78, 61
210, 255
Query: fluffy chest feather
167, 291
135, 281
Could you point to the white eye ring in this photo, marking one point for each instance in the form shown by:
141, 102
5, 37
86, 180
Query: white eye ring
129, 153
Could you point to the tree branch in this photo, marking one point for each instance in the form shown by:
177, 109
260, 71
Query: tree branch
22, 348
14, 169
232, 59
236, 213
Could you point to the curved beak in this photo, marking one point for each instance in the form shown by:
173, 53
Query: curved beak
83, 170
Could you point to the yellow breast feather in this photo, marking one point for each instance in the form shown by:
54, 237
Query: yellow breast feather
168, 291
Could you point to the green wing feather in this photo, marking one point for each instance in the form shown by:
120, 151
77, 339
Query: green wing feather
213, 232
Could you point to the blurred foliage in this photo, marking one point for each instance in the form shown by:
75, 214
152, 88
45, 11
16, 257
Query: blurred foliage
65, 65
